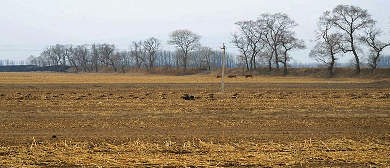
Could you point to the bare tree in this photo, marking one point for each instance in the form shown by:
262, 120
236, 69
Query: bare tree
107, 52
95, 55
328, 43
205, 54
120, 58
70, 54
82, 56
251, 35
151, 46
42, 61
350, 20
136, 52
273, 27
32, 60
59, 53
288, 43
243, 46
186, 41
376, 47
48, 57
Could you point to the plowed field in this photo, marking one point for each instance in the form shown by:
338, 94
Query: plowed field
91, 120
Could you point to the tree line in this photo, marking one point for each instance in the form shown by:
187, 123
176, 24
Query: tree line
266, 41
345, 29
147, 53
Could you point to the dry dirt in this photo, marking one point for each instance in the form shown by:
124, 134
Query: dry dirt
111, 120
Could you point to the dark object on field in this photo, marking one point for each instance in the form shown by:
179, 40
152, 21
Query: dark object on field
54, 136
210, 96
219, 76
188, 97
232, 76
235, 96
248, 76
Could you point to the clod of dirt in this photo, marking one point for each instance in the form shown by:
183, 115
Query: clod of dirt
188, 97
385, 96
211, 96
162, 95
257, 95
336, 96
234, 96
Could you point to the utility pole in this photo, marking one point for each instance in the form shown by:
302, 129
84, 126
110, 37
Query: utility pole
223, 68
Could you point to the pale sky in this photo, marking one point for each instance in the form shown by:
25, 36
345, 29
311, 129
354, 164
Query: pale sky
27, 26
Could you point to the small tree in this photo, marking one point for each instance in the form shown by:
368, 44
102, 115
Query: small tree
376, 47
107, 51
250, 34
151, 46
59, 54
136, 53
186, 41
328, 44
121, 58
243, 46
289, 42
205, 54
32, 60
95, 55
81, 55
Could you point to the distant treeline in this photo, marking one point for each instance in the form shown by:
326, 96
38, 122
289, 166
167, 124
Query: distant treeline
89, 58
29, 68
384, 62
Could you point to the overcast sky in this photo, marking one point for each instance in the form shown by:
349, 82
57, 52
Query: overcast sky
27, 26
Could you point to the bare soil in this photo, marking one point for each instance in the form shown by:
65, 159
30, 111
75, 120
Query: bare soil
257, 122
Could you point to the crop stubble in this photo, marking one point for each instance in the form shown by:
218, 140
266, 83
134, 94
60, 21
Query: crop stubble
51, 119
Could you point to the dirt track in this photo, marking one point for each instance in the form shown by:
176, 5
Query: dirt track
155, 112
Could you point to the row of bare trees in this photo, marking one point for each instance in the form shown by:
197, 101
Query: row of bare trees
147, 53
344, 30
269, 38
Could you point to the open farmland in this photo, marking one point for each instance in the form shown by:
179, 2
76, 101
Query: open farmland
56, 119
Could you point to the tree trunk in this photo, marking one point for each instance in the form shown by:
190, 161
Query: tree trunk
284, 68
96, 67
330, 68
247, 63
374, 63
277, 61
185, 63
285, 64
357, 61
254, 62
270, 63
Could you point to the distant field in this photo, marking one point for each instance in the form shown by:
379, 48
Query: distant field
53, 78
113, 120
